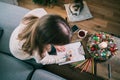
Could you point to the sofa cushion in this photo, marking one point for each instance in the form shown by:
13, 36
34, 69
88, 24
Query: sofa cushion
13, 69
1, 32
10, 16
14, 2
45, 75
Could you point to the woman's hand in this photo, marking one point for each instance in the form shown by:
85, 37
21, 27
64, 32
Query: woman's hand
68, 57
60, 48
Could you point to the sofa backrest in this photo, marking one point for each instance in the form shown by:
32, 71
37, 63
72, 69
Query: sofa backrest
10, 17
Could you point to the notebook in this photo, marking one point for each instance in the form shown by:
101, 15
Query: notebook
76, 50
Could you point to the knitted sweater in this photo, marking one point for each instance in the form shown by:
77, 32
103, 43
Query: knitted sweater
16, 45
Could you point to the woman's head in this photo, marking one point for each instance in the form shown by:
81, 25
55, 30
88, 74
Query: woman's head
53, 29
49, 29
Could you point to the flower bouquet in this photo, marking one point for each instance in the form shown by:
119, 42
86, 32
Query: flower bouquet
101, 47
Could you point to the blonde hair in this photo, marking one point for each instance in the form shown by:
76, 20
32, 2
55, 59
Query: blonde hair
29, 33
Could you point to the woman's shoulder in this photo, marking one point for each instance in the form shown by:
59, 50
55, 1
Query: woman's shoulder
39, 12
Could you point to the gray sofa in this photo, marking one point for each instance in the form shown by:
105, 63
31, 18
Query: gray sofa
10, 67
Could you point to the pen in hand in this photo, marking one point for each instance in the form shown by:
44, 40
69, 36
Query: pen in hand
68, 56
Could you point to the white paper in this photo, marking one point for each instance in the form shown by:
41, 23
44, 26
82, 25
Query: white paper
76, 50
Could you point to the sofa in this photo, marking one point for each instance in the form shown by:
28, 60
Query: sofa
14, 2
12, 68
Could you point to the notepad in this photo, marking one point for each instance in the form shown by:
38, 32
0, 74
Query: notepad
76, 50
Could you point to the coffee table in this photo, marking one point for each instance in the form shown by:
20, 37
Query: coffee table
106, 69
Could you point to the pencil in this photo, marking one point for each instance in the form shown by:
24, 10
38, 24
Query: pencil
84, 66
89, 65
82, 63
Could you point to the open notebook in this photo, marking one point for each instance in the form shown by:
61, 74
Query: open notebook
76, 50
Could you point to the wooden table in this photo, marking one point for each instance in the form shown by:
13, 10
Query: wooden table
106, 68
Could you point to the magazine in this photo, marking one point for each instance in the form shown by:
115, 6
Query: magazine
85, 13
75, 50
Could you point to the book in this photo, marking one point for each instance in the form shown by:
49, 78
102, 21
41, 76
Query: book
76, 51
85, 13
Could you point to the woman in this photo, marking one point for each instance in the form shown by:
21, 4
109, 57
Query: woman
37, 35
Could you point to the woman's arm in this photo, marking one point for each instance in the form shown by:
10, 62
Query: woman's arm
50, 56
39, 12
52, 59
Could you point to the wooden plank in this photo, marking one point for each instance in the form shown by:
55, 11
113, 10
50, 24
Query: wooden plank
95, 1
113, 18
97, 15
114, 24
100, 22
114, 4
111, 28
103, 6
99, 10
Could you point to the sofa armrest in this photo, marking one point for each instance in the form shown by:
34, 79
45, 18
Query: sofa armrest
13, 69
10, 17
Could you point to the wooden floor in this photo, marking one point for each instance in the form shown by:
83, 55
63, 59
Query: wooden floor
106, 14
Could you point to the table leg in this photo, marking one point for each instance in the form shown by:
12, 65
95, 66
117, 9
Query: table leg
109, 71
95, 68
